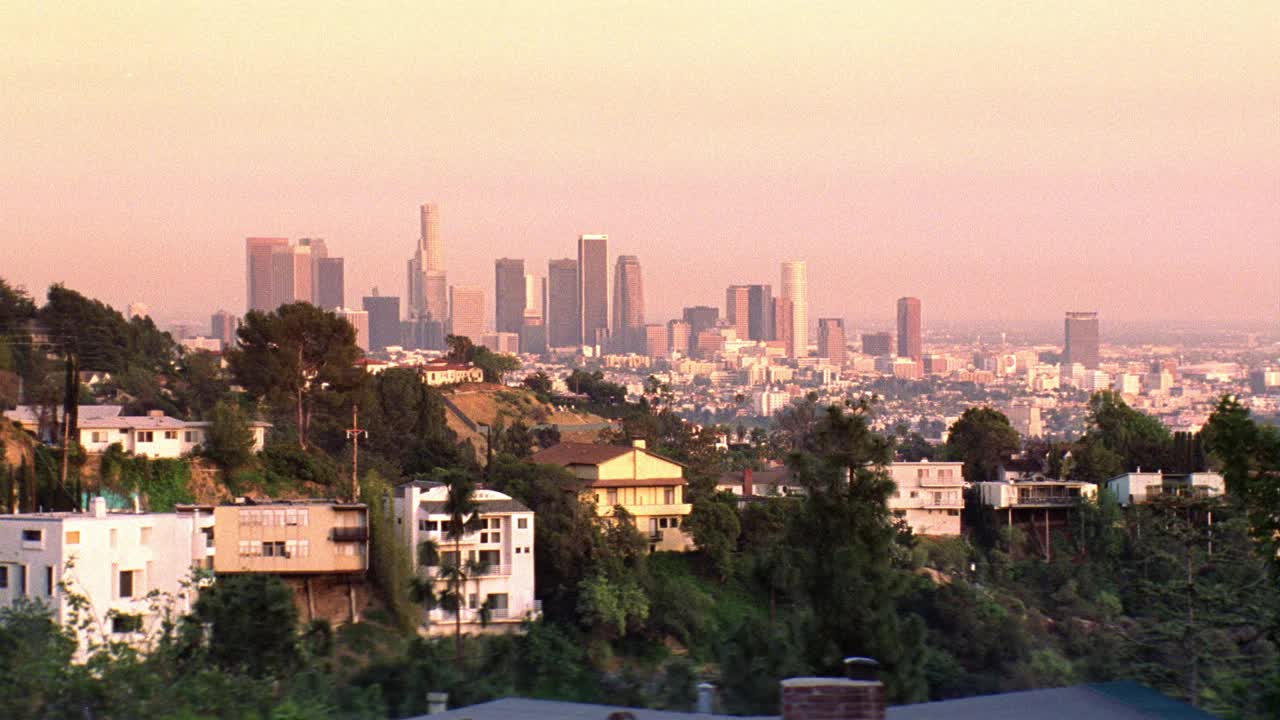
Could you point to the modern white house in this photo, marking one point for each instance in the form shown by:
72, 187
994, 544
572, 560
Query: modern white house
930, 495
498, 556
129, 567
154, 435
1140, 487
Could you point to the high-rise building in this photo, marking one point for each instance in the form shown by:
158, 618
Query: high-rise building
760, 324
628, 305
508, 294
831, 343
701, 317
359, 320
533, 328
657, 341
564, 316
384, 321
223, 326
1080, 344
466, 303
909, 344
258, 251
877, 343
593, 287
427, 283
679, 334
737, 310
292, 272
783, 316
795, 287
330, 287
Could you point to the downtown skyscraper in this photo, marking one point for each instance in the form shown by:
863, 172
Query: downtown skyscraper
593, 288
628, 305
795, 287
508, 294
257, 251
1080, 339
564, 315
427, 286
909, 343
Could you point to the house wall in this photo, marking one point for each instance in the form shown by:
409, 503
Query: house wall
242, 530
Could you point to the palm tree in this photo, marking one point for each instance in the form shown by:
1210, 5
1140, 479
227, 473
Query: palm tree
423, 590
464, 519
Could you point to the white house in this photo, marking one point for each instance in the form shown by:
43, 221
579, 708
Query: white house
114, 560
499, 554
154, 435
1140, 487
446, 373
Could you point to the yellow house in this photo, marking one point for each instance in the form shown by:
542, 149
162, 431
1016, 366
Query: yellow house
649, 486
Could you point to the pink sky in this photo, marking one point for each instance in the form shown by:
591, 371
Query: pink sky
999, 162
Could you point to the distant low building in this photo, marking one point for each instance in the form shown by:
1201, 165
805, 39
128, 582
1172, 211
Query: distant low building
445, 373
930, 495
154, 435
1142, 487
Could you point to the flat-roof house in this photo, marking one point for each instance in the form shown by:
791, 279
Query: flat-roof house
1140, 487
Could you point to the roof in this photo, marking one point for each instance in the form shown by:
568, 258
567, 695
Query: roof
573, 453
484, 507
29, 414
781, 475
1101, 701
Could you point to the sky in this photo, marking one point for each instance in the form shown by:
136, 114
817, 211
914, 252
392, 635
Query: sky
1003, 161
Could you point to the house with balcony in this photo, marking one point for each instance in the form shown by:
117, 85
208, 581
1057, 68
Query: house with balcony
496, 559
1039, 504
755, 485
113, 560
651, 488
1139, 487
930, 496
320, 548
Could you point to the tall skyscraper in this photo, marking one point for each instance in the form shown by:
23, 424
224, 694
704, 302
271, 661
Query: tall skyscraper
466, 303
678, 336
760, 325
533, 327
657, 341
593, 287
628, 305
384, 321
701, 317
783, 331
737, 310
292, 272
795, 287
258, 252
564, 315
330, 286
909, 344
223, 326
877, 343
427, 284
508, 294
831, 342
1080, 344
359, 320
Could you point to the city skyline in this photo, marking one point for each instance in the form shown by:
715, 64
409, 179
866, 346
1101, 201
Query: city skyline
1071, 171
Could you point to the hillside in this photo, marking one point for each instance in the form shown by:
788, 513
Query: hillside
471, 405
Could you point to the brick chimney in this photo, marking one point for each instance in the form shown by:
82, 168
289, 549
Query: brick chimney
747, 488
820, 698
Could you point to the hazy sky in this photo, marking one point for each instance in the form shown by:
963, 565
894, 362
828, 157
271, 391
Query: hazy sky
999, 160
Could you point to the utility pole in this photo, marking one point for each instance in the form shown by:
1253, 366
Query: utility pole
354, 432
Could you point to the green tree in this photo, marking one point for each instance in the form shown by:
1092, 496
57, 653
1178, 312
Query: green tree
715, 526
292, 355
539, 382
252, 624
229, 439
1140, 440
464, 519
461, 349
982, 438
495, 365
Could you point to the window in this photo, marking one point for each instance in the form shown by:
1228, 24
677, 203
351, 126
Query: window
144, 536
97, 436
273, 548
497, 601
73, 537
522, 523
190, 436
449, 557
945, 474
429, 525
4, 576
612, 498
145, 436
297, 548
489, 557
126, 583
32, 536
48, 580
471, 601
914, 494
922, 474
208, 536
170, 434
669, 496
121, 623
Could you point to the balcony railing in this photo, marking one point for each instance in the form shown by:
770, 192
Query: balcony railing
499, 613
491, 570
1046, 499
349, 534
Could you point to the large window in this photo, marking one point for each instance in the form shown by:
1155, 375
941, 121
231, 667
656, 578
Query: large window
669, 496
274, 548
145, 436
126, 583
489, 557
4, 576
122, 623
170, 434
32, 536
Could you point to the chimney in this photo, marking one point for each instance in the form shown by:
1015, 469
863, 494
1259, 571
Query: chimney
155, 413
706, 698
99, 507
747, 488
437, 702
857, 697
638, 443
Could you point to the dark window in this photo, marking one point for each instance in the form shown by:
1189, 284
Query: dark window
48, 580
126, 583
4, 576
523, 523
32, 535
449, 558
126, 623
497, 601
273, 549
489, 557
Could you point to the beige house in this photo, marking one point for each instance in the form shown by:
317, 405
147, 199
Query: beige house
930, 495
319, 547
1141, 487
648, 486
